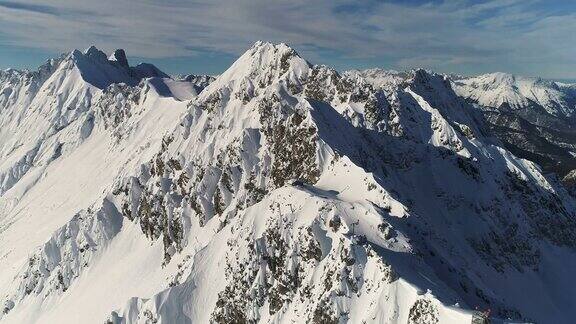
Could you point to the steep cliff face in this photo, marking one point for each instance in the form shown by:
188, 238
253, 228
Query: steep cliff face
283, 192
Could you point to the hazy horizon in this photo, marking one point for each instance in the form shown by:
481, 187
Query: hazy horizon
467, 37
172, 66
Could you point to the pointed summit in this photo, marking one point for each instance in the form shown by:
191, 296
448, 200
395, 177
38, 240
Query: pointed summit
101, 70
119, 56
95, 54
263, 65
280, 55
278, 58
429, 81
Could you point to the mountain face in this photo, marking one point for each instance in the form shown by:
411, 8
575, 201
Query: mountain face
279, 191
534, 118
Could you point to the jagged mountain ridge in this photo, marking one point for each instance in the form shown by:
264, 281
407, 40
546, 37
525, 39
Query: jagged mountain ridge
496, 89
533, 117
205, 220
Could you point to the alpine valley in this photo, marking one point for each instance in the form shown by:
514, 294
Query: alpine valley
284, 192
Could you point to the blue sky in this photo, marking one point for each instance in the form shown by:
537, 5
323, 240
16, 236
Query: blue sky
527, 37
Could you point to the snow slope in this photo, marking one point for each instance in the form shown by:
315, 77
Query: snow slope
62, 135
280, 192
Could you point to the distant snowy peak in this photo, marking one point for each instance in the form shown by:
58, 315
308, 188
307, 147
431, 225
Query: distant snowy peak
12, 80
76, 76
534, 118
199, 82
496, 89
390, 80
101, 70
49, 112
379, 78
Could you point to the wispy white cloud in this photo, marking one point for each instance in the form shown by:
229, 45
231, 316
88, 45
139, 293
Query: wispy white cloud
459, 35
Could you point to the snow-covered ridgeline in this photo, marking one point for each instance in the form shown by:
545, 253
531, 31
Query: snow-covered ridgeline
285, 192
495, 89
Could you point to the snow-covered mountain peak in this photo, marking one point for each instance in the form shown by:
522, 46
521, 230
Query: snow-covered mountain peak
438, 86
499, 78
261, 66
95, 54
429, 79
101, 70
265, 57
421, 74
380, 78
38, 75
515, 92
510, 80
